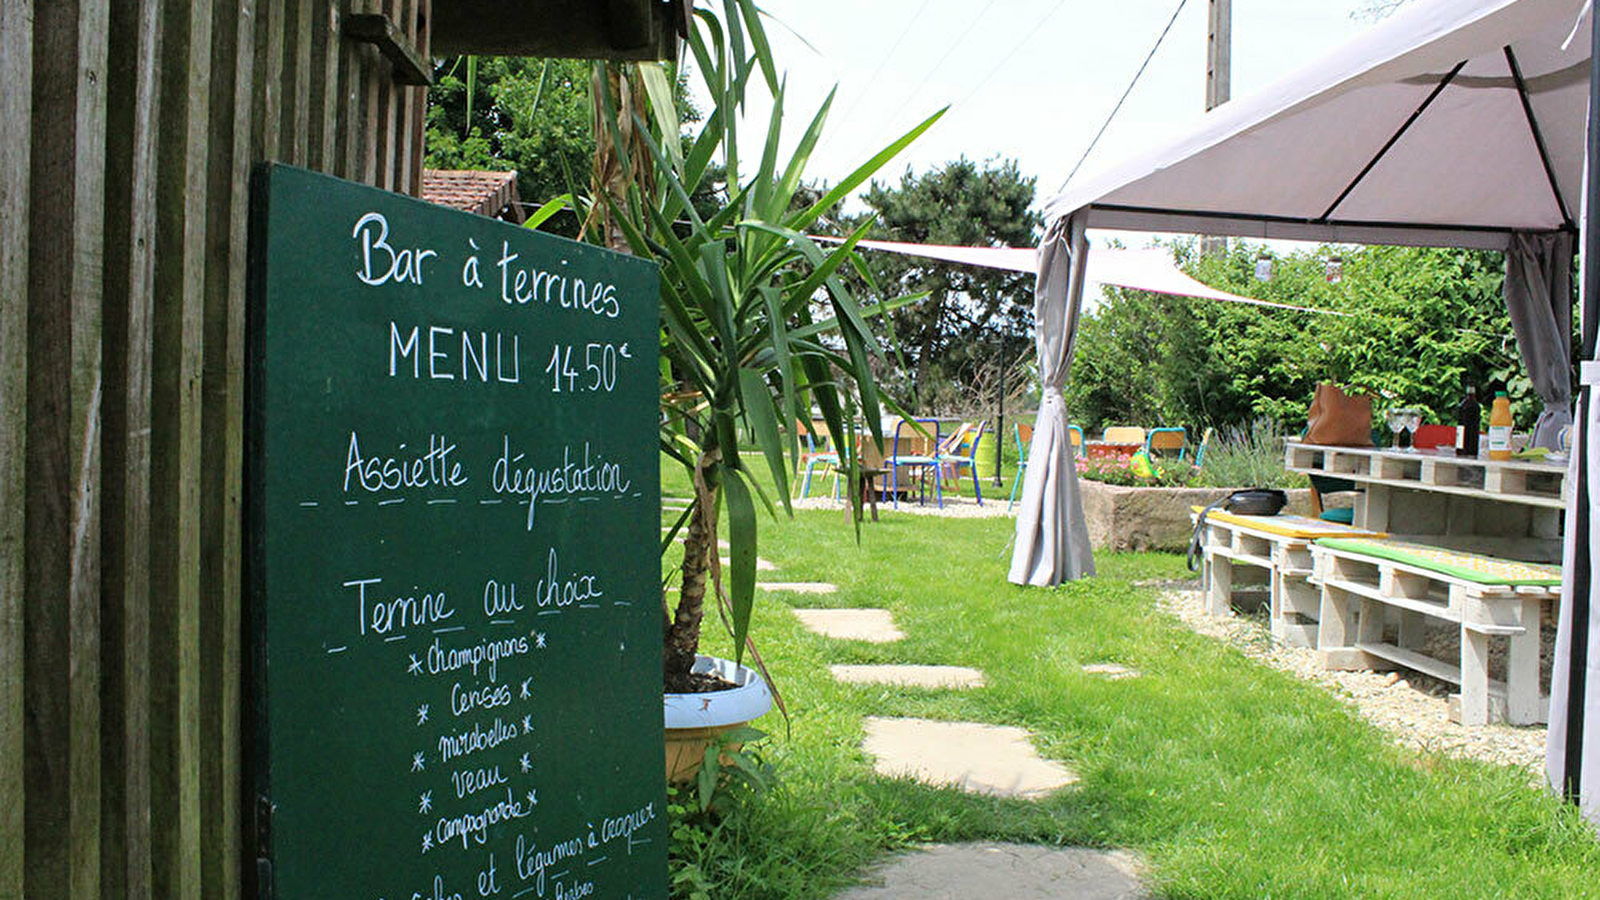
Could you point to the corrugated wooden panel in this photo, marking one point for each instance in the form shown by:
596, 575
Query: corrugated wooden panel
61, 621
125, 469
222, 416
16, 72
127, 133
175, 447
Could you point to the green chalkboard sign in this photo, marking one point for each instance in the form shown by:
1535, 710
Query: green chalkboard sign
453, 506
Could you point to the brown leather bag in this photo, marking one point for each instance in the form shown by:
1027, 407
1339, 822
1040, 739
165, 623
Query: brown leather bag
1339, 419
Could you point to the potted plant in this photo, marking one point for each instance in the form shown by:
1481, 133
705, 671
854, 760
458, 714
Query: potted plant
757, 326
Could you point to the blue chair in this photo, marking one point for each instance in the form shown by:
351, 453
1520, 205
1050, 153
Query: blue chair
914, 451
951, 455
1075, 434
813, 458
1024, 435
1200, 451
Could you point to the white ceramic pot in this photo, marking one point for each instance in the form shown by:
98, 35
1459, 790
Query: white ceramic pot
694, 720
749, 701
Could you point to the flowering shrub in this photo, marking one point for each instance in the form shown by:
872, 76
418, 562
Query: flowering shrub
1114, 471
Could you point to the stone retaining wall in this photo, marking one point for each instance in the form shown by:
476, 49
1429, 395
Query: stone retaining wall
1153, 518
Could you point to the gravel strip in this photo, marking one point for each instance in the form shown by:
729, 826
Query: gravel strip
1409, 706
954, 507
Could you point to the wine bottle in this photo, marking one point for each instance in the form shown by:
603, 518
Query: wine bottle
1468, 417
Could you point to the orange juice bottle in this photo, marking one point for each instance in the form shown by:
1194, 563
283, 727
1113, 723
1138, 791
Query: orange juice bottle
1500, 427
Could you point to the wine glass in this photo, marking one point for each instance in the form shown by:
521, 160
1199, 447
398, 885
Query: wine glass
1412, 423
1396, 420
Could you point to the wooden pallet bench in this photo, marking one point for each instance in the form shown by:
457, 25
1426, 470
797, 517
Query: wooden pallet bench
1280, 545
1360, 579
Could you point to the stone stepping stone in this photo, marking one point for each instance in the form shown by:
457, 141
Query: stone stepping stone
910, 676
874, 626
1112, 671
798, 587
982, 759
761, 564
1010, 871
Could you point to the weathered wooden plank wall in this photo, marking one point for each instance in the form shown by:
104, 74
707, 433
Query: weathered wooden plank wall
127, 132
16, 104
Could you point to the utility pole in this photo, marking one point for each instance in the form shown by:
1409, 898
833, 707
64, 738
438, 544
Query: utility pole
1219, 53
1219, 79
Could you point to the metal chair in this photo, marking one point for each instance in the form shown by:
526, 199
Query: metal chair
1123, 434
1024, 434
915, 450
961, 449
1165, 439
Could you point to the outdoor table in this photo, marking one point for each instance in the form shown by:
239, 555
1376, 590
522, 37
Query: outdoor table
1510, 508
1107, 450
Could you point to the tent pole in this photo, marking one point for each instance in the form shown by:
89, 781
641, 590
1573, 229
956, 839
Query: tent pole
1580, 529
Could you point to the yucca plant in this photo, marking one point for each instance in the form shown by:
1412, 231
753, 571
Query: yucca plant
757, 322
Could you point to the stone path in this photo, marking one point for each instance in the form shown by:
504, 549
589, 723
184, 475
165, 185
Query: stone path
986, 759
872, 625
1003, 872
1111, 670
955, 677
797, 587
761, 564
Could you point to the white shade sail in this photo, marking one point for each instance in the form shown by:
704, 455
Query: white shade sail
1145, 270
1452, 123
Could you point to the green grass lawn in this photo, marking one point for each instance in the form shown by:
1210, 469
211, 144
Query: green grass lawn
1230, 779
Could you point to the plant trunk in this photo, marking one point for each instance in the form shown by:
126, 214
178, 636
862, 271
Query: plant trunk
683, 627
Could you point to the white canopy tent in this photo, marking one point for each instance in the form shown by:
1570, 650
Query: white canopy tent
1453, 123
1426, 130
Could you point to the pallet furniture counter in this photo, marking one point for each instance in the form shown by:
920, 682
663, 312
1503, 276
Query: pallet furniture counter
1280, 545
1362, 579
1505, 508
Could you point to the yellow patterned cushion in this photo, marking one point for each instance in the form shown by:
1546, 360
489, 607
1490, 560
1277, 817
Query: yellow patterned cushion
1290, 526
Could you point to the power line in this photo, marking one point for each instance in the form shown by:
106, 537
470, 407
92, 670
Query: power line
1125, 93
905, 104
1032, 33
882, 60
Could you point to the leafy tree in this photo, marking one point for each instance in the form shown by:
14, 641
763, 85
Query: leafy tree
531, 115
972, 316
1418, 324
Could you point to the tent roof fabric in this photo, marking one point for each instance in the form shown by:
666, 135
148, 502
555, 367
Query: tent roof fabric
1145, 270
1452, 123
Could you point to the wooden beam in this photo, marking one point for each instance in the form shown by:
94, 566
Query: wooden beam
175, 449
381, 31
16, 108
297, 78
325, 85
61, 616
267, 73
131, 133
221, 417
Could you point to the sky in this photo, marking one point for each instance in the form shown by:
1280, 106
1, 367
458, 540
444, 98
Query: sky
1030, 80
